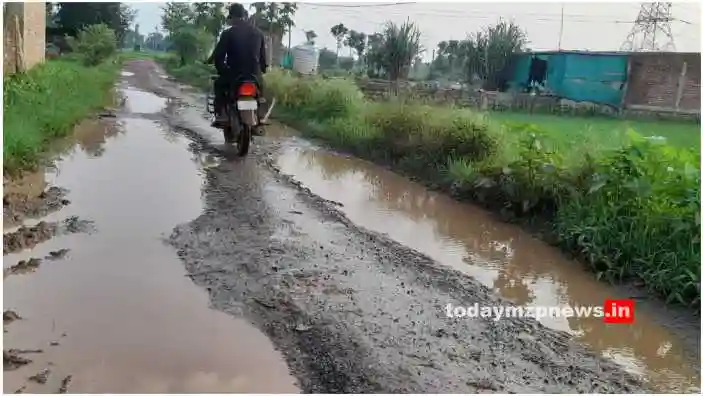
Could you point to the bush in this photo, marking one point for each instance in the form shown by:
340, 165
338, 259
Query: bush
191, 44
629, 213
315, 97
432, 134
428, 134
46, 103
95, 44
640, 215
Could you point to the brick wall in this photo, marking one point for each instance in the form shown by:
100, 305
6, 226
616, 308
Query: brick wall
656, 81
32, 22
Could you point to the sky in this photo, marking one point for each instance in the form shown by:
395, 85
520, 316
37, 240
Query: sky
590, 26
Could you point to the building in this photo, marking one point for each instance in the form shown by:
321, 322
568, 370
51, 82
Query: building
666, 81
24, 33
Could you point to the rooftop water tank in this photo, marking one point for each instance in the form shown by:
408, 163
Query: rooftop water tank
305, 58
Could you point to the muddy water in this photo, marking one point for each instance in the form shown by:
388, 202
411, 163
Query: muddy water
513, 263
117, 313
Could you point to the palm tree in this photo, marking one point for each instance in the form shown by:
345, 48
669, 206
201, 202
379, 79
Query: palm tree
401, 45
339, 31
275, 19
357, 41
488, 52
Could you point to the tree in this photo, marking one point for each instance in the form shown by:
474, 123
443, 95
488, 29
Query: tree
176, 16
132, 38
339, 31
327, 60
357, 41
73, 17
95, 43
374, 56
50, 15
274, 19
310, 36
488, 52
190, 43
398, 47
210, 16
155, 41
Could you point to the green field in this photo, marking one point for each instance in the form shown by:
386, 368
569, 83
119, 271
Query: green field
606, 132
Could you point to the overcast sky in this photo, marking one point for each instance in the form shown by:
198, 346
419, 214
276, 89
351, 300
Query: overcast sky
592, 26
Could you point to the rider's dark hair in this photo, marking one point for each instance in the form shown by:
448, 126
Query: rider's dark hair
237, 11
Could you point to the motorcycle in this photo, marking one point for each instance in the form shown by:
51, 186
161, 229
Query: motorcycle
242, 111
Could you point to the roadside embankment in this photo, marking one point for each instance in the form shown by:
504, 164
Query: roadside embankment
45, 104
631, 211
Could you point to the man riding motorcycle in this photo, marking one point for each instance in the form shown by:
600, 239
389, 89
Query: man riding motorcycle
240, 51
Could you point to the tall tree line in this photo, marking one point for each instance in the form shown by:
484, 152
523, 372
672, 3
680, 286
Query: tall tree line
70, 18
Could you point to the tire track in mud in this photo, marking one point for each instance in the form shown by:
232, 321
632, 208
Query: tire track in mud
354, 311
341, 332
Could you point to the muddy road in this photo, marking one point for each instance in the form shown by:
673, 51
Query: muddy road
167, 265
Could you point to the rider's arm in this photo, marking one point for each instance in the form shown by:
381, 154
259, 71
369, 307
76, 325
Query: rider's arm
220, 51
262, 55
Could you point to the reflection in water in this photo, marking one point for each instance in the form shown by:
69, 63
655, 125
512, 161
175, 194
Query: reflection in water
91, 135
123, 316
515, 264
143, 102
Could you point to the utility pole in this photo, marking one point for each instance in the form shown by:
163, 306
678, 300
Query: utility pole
561, 27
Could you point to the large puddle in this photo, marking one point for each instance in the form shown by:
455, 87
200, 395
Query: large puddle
513, 263
117, 313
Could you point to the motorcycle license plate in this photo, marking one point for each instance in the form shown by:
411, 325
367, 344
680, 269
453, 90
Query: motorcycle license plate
247, 105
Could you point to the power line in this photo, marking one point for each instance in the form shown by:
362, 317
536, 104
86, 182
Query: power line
449, 14
356, 5
556, 18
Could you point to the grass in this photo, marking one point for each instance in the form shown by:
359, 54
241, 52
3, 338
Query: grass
609, 131
45, 103
628, 206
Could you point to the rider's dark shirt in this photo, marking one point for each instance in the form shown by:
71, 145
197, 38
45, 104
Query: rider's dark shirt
240, 50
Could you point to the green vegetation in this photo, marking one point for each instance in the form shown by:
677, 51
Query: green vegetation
627, 206
604, 131
45, 103
94, 44
631, 211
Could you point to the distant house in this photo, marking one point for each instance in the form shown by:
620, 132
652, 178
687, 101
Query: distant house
663, 81
24, 26
597, 77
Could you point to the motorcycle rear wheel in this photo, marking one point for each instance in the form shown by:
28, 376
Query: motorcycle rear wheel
244, 140
229, 131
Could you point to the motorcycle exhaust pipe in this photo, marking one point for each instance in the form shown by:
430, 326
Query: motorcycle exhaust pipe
268, 113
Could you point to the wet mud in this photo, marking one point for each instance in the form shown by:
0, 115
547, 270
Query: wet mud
107, 307
353, 310
20, 206
27, 237
307, 295
663, 345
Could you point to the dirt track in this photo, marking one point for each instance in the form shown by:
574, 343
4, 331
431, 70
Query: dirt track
350, 309
353, 311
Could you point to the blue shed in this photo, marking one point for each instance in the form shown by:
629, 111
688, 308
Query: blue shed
597, 77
